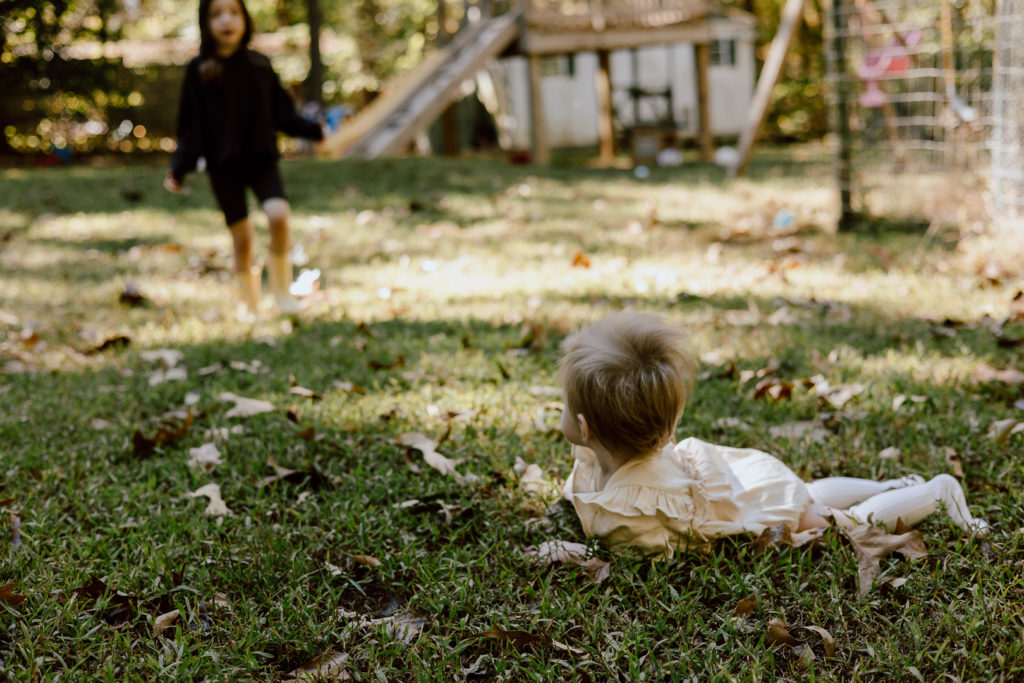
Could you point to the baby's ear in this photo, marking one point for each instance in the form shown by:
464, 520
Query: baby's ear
584, 427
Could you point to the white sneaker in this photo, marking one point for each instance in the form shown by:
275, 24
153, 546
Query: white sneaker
287, 304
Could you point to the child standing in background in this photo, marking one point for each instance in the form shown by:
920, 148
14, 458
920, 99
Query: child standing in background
626, 381
232, 105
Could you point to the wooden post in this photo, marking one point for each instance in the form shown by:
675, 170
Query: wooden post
538, 131
766, 81
315, 79
450, 117
844, 155
604, 104
707, 145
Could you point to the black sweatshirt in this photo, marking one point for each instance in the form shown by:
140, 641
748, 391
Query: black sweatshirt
236, 118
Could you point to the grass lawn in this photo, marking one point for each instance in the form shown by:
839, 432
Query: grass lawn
447, 287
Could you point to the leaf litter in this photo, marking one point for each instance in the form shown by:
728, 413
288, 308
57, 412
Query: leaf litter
245, 407
216, 507
562, 552
871, 544
169, 431
329, 666
204, 458
427, 447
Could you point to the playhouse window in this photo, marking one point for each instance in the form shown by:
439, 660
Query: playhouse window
558, 65
723, 52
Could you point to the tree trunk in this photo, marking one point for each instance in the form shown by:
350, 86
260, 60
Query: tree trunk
315, 78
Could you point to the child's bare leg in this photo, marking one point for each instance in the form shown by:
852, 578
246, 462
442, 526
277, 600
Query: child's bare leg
913, 503
279, 270
842, 492
248, 280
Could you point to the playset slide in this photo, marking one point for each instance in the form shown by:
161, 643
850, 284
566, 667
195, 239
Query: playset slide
411, 102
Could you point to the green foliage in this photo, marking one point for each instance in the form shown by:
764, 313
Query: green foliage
799, 107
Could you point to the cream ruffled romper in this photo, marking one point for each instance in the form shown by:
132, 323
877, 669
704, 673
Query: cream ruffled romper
684, 495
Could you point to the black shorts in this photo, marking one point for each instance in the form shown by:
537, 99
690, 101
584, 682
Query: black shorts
229, 183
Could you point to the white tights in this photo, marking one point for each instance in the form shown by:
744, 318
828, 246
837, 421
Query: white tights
911, 499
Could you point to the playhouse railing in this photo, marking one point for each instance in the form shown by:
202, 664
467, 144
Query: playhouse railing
593, 15
601, 15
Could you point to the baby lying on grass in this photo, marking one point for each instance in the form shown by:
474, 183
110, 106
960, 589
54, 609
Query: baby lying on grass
626, 380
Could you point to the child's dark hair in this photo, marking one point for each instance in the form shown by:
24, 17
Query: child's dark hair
211, 70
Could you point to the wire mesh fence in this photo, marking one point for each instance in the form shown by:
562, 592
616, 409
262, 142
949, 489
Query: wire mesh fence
927, 100
1008, 113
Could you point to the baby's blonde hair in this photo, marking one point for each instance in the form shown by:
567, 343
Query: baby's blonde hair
629, 374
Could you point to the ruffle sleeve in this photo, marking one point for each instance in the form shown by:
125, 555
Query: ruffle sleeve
656, 522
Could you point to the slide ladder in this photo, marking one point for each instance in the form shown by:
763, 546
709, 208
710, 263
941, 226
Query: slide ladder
391, 122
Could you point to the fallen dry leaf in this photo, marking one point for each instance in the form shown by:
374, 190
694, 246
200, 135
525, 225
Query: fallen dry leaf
954, 461
164, 622
15, 530
838, 396
216, 507
306, 393
1001, 430
891, 583
549, 417
132, 296
559, 552
398, 362
346, 386
204, 458
1017, 306
9, 597
168, 432
899, 399
119, 605
366, 561
778, 634
726, 423
245, 407
774, 389
551, 552
253, 368
116, 342
800, 429
427, 447
781, 535
459, 415
327, 667
986, 373
826, 638
597, 569
890, 453
518, 639
169, 357
533, 481
745, 607
168, 375
315, 476
402, 625
871, 544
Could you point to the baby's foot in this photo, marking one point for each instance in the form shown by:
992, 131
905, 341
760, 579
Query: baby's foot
246, 315
287, 304
978, 526
904, 482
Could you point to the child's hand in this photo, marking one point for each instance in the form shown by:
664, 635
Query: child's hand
171, 183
